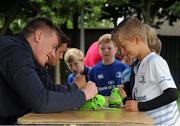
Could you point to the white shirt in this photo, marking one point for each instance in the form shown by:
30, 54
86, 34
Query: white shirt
151, 79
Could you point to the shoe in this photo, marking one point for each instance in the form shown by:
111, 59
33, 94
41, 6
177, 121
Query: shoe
115, 98
95, 103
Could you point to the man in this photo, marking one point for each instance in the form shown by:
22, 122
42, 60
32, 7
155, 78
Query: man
46, 78
60, 50
21, 90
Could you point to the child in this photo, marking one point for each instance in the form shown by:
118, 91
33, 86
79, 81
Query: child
155, 45
74, 58
93, 56
107, 73
154, 90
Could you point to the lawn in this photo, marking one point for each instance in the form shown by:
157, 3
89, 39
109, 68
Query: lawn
179, 99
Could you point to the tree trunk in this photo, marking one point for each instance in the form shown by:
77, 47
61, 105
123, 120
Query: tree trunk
75, 42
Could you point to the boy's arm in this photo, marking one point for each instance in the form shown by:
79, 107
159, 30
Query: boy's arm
127, 88
169, 95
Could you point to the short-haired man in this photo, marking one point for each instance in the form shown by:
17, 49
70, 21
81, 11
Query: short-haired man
21, 90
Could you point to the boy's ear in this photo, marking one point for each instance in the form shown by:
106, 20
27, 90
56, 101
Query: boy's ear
137, 39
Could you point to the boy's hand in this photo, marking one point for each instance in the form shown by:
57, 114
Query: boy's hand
80, 81
131, 105
90, 90
122, 91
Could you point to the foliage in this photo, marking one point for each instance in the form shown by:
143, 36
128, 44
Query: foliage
175, 9
152, 12
93, 11
97, 13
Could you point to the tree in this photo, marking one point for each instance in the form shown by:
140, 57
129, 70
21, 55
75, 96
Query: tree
152, 12
9, 10
175, 10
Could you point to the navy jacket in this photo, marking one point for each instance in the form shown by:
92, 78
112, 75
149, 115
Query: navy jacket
21, 90
50, 85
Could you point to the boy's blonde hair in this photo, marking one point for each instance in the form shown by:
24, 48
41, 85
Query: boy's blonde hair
153, 41
106, 38
129, 28
73, 54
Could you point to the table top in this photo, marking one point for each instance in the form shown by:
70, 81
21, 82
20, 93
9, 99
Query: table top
104, 116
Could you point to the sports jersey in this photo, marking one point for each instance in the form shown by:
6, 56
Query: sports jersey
151, 79
71, 76
107, 77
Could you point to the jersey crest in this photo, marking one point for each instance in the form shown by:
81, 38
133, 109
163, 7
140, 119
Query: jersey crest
100, 76
118, 74
142, 80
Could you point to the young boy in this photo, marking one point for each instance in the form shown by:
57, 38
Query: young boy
107, 73
154, 89
155, 45
93, 56
74, 58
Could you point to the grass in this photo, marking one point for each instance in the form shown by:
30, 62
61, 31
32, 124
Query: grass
179, 100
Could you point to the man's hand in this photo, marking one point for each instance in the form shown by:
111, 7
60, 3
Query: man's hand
90, 90
131, 105
80, 81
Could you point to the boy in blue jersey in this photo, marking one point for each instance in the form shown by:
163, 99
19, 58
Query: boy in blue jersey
107, 73
74, 58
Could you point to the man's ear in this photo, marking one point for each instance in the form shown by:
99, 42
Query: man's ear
38, 35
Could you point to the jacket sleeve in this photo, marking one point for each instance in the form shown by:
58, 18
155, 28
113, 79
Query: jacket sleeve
50, 85
23, 79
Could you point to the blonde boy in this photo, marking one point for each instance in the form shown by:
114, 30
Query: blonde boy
74, 58
154, 89
107, 73
155, 45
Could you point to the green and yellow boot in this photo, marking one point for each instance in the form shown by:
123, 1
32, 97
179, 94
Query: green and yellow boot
115, 98
95, 103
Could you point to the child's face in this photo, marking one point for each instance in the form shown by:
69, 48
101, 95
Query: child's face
107, 51
76, 66
129, 48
